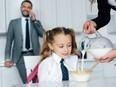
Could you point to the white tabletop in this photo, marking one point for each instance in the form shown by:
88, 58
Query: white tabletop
93, 82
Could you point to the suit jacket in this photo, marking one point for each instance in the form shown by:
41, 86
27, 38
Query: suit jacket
14, 41
104, 9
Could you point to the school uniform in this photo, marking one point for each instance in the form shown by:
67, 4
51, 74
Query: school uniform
50, 68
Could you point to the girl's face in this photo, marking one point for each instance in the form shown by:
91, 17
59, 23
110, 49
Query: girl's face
62, 45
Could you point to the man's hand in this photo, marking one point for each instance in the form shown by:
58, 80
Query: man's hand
8, 64
33, 17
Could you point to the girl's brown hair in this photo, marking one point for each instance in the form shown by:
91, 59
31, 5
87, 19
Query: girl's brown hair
48, 37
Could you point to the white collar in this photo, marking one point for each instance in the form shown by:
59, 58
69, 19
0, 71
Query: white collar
58, 58
23, 18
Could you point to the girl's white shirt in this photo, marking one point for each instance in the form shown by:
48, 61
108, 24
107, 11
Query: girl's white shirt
112, 2
50, 70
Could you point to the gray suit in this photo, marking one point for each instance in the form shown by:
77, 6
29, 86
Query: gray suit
15, 37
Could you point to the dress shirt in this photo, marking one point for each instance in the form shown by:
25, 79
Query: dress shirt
50, 70
24, 33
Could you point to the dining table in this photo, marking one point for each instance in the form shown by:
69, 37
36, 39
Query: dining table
93, 82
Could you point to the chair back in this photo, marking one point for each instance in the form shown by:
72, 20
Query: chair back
31, 62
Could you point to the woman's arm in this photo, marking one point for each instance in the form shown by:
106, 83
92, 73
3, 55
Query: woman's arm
103, 18
103, 14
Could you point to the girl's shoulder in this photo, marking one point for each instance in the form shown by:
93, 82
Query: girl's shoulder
47, 60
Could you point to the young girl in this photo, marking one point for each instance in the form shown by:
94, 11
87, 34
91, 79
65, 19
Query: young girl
58, 44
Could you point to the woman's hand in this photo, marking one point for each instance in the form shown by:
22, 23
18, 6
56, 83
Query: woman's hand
103, 60
89, 27
108, 57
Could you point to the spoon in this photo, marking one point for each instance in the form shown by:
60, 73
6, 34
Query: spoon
94, 66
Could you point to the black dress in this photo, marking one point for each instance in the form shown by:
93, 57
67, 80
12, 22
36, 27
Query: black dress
104, 9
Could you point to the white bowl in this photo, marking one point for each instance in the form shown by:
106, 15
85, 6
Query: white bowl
81, 76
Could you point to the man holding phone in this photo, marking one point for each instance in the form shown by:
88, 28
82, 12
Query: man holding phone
23, 38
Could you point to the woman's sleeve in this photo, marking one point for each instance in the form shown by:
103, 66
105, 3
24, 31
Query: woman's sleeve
103, 17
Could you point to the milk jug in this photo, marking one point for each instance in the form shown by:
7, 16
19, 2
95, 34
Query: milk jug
97, 46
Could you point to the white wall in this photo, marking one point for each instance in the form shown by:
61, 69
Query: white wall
40, 7
2, 47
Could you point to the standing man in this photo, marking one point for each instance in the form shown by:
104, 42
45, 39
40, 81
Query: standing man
23, 38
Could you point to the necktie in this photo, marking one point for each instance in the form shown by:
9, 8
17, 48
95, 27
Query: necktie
27, 43
64, 70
